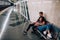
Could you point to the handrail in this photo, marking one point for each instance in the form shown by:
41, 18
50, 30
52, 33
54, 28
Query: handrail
26, 12
1, 12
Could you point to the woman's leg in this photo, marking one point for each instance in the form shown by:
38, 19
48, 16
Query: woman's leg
45, 28
49, 26
42, 28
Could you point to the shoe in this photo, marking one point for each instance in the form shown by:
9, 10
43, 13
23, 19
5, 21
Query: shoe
49, 36
25, 32
32, 32
44, 32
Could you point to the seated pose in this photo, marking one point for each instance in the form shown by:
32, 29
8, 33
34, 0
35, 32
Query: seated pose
45, 28
35, 24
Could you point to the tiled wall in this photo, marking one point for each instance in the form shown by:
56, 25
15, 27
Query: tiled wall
51, 9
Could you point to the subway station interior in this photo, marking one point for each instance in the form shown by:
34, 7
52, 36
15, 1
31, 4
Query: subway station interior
16, 15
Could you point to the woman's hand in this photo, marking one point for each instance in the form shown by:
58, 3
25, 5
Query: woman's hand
37, 24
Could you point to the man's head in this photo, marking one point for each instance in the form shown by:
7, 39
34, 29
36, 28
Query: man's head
40, 13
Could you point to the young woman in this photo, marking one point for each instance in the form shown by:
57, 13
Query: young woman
45, 28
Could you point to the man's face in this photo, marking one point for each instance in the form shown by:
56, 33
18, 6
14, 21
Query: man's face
40, 14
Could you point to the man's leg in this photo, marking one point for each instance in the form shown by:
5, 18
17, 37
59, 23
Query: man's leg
33, 25
30, 25
34, 28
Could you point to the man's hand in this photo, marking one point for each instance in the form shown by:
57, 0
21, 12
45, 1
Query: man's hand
33, 22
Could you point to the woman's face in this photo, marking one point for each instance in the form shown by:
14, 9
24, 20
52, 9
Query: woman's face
40, 19
43, 22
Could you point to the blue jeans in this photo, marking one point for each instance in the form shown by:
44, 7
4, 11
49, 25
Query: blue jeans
44, 27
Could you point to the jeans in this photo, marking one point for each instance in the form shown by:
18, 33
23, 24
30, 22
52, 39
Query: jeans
44, 27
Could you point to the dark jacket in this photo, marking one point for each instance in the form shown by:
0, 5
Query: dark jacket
44, 19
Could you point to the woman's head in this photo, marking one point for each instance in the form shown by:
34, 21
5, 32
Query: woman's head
41, 19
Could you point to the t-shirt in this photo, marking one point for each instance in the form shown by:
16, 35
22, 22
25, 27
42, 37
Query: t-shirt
40, 17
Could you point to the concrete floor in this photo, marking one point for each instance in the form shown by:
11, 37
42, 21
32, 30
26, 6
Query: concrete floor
15, 31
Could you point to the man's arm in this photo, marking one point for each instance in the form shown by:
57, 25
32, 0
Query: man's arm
38, 19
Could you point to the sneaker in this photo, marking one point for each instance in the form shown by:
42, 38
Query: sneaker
49, 36
32, 32
25, 32
44, 32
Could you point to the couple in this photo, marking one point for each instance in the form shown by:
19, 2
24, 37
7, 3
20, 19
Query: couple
41, 24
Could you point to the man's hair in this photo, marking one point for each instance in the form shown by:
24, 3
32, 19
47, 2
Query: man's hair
40, 12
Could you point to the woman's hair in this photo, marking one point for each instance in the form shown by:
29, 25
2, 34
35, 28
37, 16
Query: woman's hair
43, 19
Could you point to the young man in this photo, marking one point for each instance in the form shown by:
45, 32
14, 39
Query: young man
35, 24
